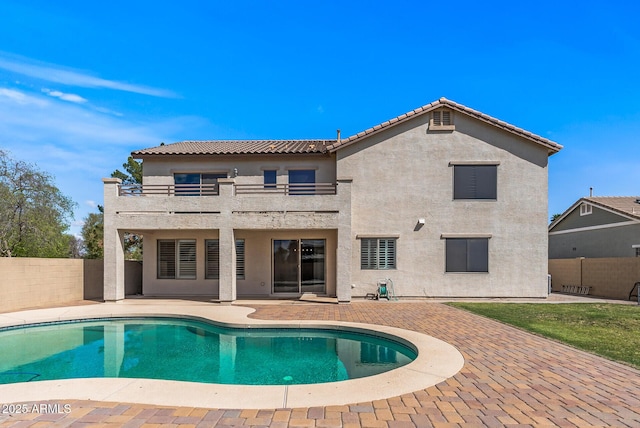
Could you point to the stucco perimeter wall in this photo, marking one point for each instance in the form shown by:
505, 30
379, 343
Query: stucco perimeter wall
612, 278
32, 282
405, 173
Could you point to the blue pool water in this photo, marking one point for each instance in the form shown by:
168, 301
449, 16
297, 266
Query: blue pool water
194, 351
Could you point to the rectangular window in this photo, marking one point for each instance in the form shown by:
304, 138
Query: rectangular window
302, 181
166, 259
467, 255
196, 184
378, 253
239, 258
176, 259
586, 209
212, 258
475, 181
270, 179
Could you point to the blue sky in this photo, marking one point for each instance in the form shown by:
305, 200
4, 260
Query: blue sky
82, 84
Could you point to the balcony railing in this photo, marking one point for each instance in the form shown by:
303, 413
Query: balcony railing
214, 190
169, 190
286, 189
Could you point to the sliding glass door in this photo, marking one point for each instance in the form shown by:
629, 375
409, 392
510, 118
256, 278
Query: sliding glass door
299, 266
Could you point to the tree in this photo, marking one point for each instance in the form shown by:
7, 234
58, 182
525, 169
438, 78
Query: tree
132, 242
34, 214
133, 173
93, 229
555, 217
93, 235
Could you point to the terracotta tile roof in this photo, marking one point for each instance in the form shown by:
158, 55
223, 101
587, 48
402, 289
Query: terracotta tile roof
237, 147
443, 102
626, 205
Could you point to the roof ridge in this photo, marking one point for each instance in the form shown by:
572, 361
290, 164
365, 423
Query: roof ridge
442, 101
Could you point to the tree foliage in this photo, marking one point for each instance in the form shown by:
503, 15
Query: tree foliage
93, 235
133, 173
34, 214
93, 229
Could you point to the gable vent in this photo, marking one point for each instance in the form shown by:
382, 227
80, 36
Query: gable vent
442, 120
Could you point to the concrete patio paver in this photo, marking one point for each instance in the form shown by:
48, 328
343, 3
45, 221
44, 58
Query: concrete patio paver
510, 377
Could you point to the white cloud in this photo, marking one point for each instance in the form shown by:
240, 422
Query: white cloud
65, 76
65, 97
77, 144
21, 98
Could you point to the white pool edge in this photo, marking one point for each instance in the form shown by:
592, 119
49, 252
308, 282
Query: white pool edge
436, 362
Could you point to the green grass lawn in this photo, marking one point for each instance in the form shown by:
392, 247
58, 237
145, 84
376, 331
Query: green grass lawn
609, 330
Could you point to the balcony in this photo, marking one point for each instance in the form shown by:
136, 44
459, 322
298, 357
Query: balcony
168, 190
238, 189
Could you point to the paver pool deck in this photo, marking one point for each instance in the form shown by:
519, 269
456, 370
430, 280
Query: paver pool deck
509, 378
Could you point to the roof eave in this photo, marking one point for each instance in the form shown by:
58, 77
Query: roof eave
551, 146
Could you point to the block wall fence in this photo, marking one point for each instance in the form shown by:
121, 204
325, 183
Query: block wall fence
611, 278
31, 282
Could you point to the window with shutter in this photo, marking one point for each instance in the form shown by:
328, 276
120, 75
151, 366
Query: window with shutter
467, 255
239, 258
187, 259
166, 259
212, 258
441, 120
378, 253
475, 181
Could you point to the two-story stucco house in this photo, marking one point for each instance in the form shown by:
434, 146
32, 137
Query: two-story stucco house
444, 200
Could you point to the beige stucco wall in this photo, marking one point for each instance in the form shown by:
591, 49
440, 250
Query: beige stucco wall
404, 174
32, 282
612, 277
158, 170
258, 271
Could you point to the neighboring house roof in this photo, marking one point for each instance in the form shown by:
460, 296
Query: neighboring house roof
226, 147
626, 206
551, 146
237, 147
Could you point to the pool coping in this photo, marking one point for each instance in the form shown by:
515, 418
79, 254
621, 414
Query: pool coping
436, 362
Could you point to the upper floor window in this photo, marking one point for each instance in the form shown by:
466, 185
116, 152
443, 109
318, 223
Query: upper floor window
586, 209
475, 181
197, 184
302, 181
270, 178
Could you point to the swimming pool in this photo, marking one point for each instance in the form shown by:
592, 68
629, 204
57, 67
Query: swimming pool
193, 351
436, 361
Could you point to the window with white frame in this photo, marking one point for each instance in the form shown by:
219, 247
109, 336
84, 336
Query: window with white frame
586, 209
467, 255
378, 253
212, 259
475, 182
176, 259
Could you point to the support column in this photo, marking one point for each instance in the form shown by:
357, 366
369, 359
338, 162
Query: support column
227, 281
344, 252
113, 244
